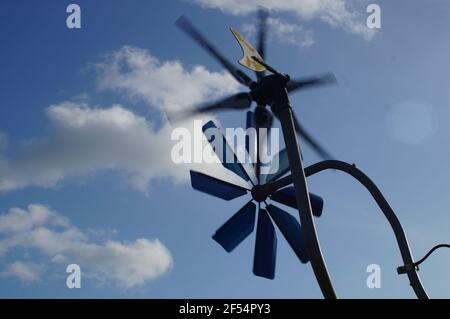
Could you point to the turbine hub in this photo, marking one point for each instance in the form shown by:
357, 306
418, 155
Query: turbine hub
263, 118
265, 91
258, 193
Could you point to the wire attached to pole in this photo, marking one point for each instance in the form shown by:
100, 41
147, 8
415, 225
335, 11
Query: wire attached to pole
406, 268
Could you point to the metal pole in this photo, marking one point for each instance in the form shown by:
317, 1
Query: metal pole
400, 235
281, 107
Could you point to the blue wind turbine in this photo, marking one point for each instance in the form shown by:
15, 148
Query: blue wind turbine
240, 225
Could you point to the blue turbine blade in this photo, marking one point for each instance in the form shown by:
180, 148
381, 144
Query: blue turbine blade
225, 152
286, 196
291, 230
250, 122
316, 204
215, 187
281, 160
237, 228
265, 247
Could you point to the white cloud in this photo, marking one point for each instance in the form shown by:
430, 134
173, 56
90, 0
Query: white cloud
26, 273
126, 264
347, 14
164, 85
19, 220
283, 31
86, 139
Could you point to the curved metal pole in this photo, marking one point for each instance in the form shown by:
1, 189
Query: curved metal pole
400, 235
282, 109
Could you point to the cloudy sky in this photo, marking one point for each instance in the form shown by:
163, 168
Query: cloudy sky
85, 170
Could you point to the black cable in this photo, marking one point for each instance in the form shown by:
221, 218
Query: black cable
415, 265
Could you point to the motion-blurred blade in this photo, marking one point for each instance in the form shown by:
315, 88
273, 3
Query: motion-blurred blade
237, 101
215, 187
287, 197
265, 247
326, 79
319, 149
187, 27
237, 228
291, 230
262, 34
279, 166
226, 154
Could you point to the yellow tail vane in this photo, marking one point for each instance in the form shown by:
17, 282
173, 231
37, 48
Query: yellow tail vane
248, 52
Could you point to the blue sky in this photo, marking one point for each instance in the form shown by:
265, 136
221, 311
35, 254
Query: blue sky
98, 173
